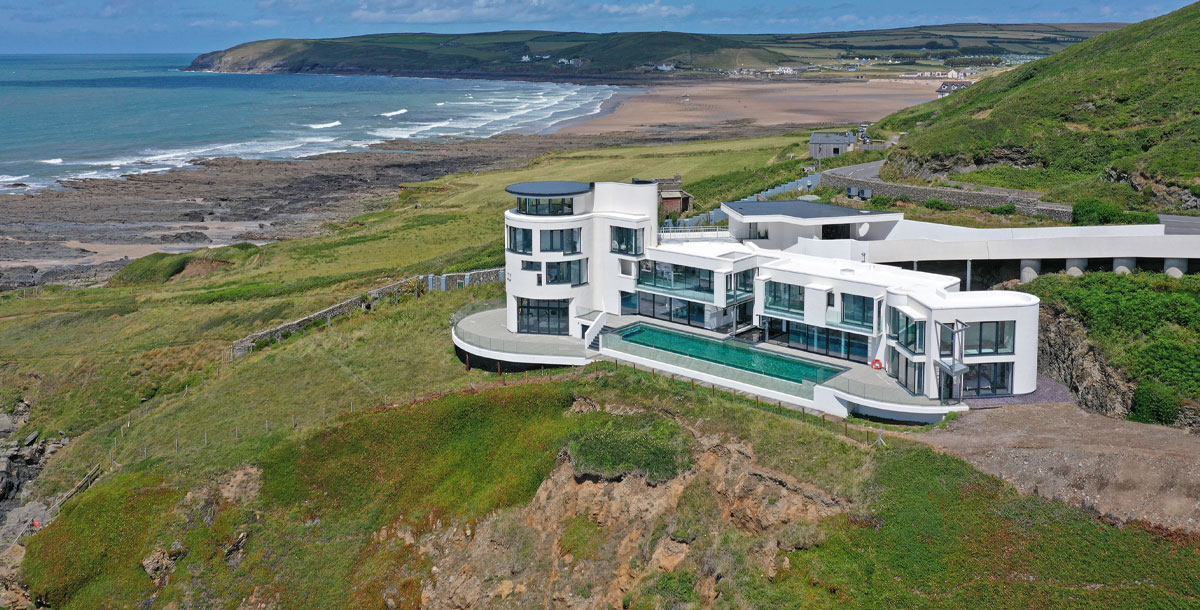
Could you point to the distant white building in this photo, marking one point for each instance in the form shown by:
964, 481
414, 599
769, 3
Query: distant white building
785, 70
961, 73
526, 58
665, 67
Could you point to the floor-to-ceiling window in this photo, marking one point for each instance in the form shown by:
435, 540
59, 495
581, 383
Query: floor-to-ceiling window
669, 309
988, 379
989, 337
543, 317
906, 331
858, 311
817, 339
629, 303
684, 281
540, 206
785, 297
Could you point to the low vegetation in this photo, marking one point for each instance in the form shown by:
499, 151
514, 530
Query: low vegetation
1103, 119
1148, 324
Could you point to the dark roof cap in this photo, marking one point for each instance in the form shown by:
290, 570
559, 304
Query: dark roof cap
826, 137
548, 188
799, 209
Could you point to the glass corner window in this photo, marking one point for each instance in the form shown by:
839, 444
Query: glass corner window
627, 241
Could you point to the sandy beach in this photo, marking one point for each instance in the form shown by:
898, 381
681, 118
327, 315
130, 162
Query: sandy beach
766, 103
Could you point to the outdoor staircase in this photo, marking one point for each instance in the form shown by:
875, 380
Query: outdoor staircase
595, 344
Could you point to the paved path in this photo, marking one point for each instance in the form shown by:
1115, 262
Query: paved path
1175, 225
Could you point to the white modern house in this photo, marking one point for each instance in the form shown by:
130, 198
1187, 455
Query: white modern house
808, 304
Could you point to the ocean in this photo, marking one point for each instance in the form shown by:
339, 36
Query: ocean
100, 116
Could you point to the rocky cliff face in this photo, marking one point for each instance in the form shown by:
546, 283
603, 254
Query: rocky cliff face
1066, 355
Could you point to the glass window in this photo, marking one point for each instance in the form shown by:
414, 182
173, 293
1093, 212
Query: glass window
520, 241
910, 374
858, 311
629, 303
561, 240
988, 379
546, 317
990, 337
945, 340
531, 266
573, 272
627, 241
785, 297
537, 206
646, 304
908, 332
666, 276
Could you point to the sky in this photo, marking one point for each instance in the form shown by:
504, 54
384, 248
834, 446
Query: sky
164, 26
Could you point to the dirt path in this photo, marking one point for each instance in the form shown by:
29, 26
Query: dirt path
1115, 467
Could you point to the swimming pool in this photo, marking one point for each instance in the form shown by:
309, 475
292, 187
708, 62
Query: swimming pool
729, 353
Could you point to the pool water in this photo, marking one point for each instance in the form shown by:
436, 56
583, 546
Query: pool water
730, 353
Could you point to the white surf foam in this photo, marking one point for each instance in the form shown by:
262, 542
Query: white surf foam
394, 112
323, 125
9, 179
52, 161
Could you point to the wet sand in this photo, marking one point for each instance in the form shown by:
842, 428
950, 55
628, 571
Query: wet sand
769, 103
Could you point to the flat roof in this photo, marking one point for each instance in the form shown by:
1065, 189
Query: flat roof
831, 137
548, 188
800, 209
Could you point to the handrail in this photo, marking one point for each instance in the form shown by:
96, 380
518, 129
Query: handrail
697, 229
595, 328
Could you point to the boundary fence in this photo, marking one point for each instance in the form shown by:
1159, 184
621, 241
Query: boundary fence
415, 285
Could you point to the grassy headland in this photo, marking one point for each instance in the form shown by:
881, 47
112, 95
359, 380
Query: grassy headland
1108, 118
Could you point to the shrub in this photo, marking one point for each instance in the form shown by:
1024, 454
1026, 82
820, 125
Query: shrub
938, 204
1097, 212
1003, 210
880, 202
1154, 403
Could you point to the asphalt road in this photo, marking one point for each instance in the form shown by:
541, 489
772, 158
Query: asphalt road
1174, 225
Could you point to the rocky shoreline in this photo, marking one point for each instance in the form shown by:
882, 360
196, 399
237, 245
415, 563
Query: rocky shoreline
81, 233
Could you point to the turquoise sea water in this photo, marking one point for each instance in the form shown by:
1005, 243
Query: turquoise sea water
730, 353
96, 116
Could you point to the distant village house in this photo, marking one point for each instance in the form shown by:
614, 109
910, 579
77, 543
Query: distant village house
951, 86
672, 197
824, 144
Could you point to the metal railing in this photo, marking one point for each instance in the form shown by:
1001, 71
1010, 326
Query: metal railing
498, 338
696, 229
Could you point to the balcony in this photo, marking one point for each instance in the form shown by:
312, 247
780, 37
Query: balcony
833, 319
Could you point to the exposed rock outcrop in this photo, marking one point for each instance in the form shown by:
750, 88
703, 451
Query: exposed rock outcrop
494, 563
1066, 355
1164, 194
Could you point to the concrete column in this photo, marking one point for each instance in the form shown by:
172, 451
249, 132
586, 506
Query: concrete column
1175, 267
968, 274
1030, 268
1076, 266
1124, 265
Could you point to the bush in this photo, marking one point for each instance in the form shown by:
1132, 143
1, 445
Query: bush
938, 204
1096, 212
880, 202
1155, 403
1003, 210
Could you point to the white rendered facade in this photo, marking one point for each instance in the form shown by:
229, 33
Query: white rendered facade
934, 341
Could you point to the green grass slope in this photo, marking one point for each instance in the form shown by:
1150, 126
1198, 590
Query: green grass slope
1105, 118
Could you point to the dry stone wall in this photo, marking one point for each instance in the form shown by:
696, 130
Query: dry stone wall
417, 284
962, 198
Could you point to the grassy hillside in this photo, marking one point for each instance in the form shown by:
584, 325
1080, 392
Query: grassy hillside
625, 53
1147, 324
324, 448
1113, 118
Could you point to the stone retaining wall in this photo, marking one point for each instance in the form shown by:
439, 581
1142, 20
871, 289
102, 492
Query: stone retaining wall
417, 284
960, 197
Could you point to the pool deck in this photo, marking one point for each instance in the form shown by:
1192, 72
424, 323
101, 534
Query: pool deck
486, 334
